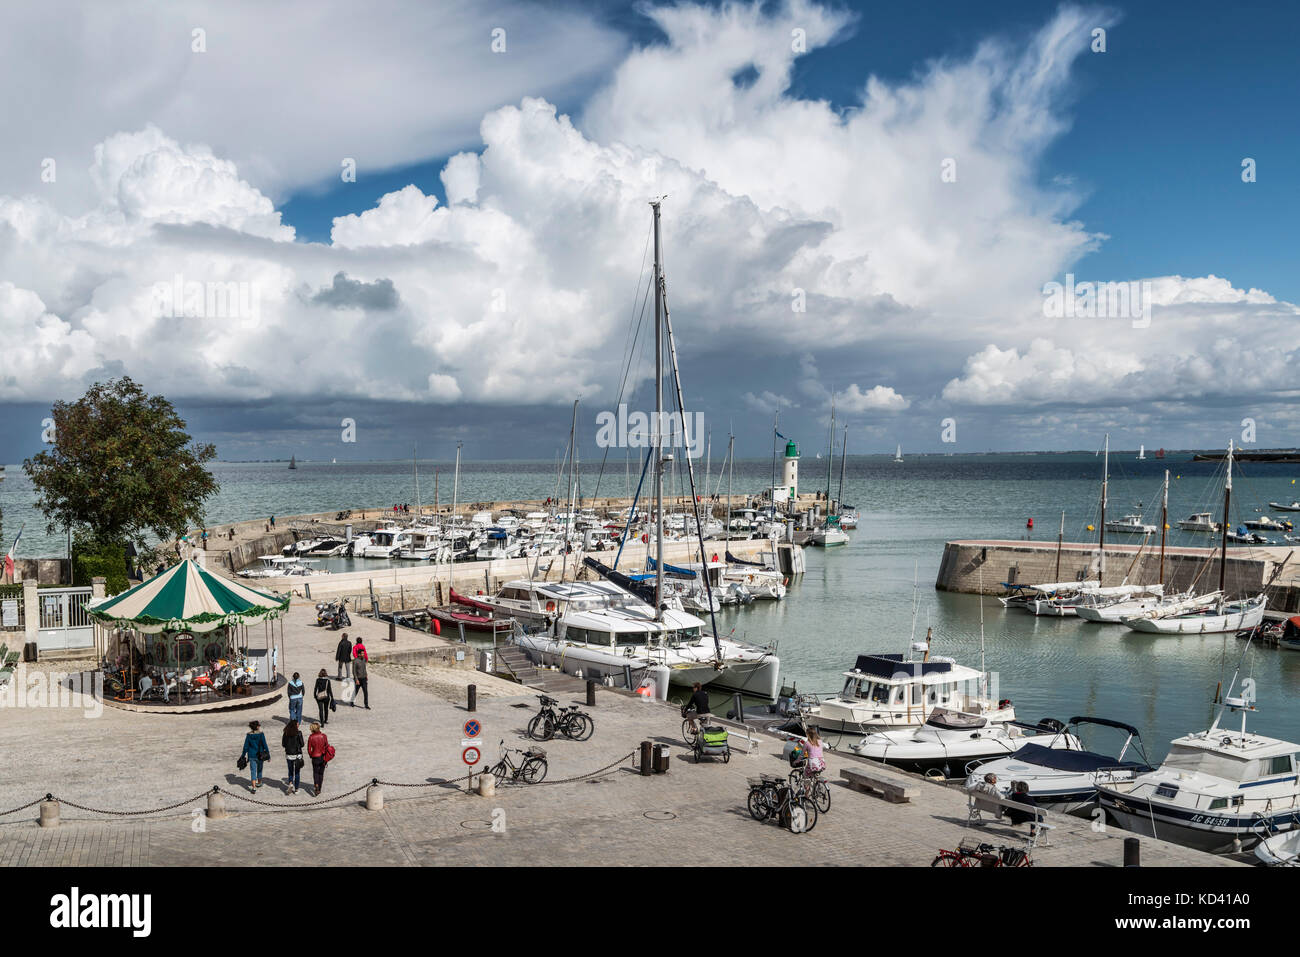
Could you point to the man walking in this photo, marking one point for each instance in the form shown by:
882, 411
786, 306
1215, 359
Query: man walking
360, 680
343, 655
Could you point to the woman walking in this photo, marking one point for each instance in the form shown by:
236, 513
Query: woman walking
256, 751
324, 696
297, 690
318, 749
292, 741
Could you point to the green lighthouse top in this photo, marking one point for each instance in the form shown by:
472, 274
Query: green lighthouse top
791, 450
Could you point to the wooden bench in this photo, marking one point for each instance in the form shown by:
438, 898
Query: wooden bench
980, 802
896, 790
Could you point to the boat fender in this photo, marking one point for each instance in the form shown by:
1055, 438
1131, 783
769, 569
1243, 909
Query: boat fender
437, 626
1004, 703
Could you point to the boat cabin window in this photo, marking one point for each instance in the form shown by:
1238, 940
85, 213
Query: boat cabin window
586, 636
1182, 757
1167, 790
1279, 765
1218, 804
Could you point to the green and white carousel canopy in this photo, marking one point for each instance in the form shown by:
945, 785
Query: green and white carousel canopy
185, 597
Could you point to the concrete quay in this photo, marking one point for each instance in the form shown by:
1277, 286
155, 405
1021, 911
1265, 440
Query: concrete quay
982, 566
593, 808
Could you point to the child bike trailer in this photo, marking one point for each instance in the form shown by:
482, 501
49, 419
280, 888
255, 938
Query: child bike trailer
712, 742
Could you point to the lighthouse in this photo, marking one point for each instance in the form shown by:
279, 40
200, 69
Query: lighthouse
790, 474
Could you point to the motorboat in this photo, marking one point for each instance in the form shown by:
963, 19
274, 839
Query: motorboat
1200, 522
1130, 524
1065, 779
888, 691
949, 740
1280, 850
848, 517
829, 533
1266, 524
383, 542
760, 580
1216, 790
1278, 507
282, 566
1240, 536
1211, 618
423, 543
497, 544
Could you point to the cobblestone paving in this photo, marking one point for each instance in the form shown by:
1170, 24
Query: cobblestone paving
692, 815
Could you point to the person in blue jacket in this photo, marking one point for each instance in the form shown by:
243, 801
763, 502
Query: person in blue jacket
256, 751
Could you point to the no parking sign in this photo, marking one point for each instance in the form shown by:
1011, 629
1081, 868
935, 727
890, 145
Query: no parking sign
471, 755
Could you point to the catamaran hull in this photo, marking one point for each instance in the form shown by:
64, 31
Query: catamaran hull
598, 665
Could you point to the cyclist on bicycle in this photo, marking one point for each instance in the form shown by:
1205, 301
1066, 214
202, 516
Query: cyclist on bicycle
697, 708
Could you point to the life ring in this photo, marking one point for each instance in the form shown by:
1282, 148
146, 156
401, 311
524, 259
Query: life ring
550, 606
645, 538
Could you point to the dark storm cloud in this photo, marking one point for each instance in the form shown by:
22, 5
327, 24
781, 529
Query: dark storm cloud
352, 293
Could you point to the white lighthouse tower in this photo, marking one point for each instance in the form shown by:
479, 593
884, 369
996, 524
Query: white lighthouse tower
790, 474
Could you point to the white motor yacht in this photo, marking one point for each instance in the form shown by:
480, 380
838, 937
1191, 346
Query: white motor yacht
885, 691
1130, 524
1215, 790
383, 542
1200, 522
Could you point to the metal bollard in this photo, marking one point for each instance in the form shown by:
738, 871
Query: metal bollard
647, 761
1132, 852
374, 797
392, 629
472, 705
49, 812
591, 693
216, 805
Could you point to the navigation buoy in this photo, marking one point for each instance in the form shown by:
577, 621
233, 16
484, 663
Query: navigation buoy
1091, 529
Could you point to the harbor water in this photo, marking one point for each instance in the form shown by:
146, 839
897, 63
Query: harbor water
861, 597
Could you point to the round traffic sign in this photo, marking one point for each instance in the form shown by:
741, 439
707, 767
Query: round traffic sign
470, 755
472, 728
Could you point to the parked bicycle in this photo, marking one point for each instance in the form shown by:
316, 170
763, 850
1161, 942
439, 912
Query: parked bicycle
568, 721
772, 798
531, 768
983, 855
809, 783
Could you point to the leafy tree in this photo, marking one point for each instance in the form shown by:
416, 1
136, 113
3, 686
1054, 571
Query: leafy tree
121, 466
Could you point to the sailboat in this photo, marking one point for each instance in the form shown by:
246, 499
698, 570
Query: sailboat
829, 533
1206, 617
898, 454
615, 625
293, 463
1142, 453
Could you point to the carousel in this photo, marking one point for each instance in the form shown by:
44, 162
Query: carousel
188, 640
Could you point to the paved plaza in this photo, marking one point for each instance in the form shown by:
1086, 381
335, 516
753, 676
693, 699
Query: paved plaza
122, 761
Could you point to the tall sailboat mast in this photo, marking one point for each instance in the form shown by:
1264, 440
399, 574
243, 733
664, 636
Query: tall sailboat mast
731, 445
830, 460
1223, 541
657, 439
415, 467
844, 457
1060, 537
1164, 524
1101, 526
568, 520
451, 544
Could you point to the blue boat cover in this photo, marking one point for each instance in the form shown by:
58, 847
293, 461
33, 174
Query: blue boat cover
887, 666
1059, 759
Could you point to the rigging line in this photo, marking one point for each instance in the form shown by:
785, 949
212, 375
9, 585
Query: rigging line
627, 369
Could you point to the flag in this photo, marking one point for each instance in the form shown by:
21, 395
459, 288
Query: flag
780, 436
9, 556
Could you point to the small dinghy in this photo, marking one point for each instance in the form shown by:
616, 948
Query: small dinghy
949, 740
1280, 850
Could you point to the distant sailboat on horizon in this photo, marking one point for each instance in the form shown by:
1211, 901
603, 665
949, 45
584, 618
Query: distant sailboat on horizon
293, 463
898, 454
1142, 453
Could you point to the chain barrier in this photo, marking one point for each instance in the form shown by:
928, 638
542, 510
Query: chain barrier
217, 789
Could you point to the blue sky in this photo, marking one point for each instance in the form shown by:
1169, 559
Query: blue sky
481, 315
1159, 126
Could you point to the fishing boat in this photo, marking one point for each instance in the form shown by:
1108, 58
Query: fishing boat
1200, 522
888, 691
1066, 779
1131, 525
950, 740
1216, 790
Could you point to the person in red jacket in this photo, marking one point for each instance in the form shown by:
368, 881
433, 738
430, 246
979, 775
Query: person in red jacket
320, 751
359, 650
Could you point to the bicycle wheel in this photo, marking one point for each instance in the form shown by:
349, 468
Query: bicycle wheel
572, 725
822, 796
534, 770
947, 859
587, 727
759, 809
541, 727
687, 734
810, 809
499, 772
